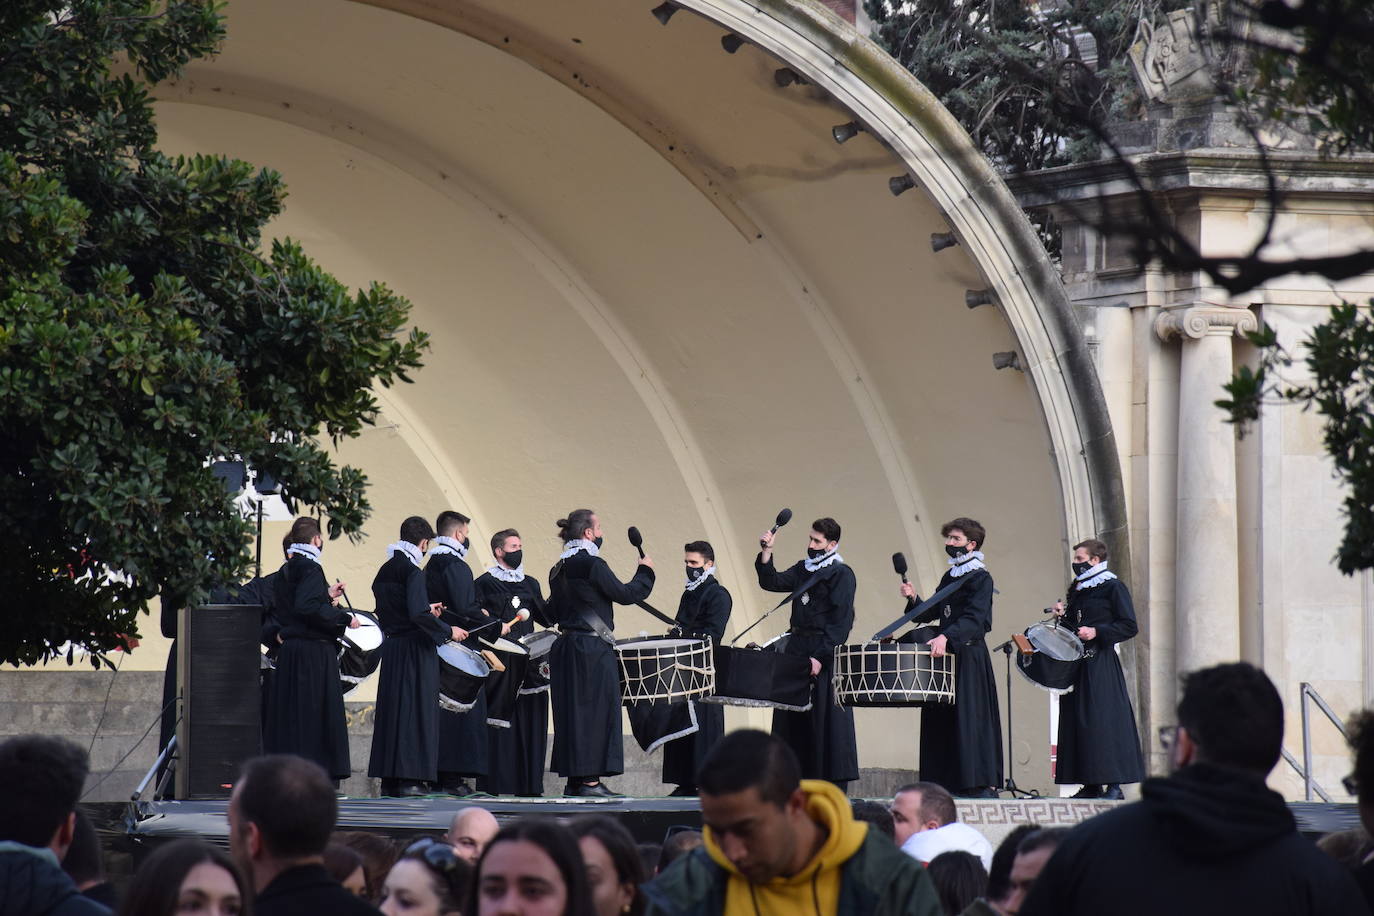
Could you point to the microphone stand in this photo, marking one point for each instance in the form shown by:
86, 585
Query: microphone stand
1007, 648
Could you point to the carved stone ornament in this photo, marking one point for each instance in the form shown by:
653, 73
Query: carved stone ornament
1199, 321
1170, 61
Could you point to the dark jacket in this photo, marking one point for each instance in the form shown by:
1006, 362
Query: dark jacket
878, 880
33, 884
309, 890
1205, 840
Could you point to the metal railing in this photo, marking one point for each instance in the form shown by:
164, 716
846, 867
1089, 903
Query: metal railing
1308, 695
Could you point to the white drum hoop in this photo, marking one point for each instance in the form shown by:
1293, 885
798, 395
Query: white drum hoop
892, 674
665, 669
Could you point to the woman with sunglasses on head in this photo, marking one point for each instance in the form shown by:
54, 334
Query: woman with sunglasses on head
614, 868
531, 868
427, 880
187, 876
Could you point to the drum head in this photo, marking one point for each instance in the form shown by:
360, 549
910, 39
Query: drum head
1058, 643
501, 644
366, 636
539, 643
464, 659
656, 643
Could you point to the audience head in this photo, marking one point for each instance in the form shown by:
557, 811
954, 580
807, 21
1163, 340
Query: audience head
470, 832
187, 876
753, 805
378, 854
346, 867
675, 846
1361, 781
429, 879
920, 806
1031, 855
879, 816
43, 777
532, 866
82, 863
649, 856
614, 868
1229, 716
959, 879
281, 812
999, 874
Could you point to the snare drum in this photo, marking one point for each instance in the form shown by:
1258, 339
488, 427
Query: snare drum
503, 687
762, 678
891, 674
360, 650
665, 669
537, 669
462, 672
1054, 664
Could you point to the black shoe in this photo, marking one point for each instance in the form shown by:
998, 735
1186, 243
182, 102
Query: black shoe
583, 790
1091, 792
406, 788
1113, 792
977, 792
683, 792
459, 789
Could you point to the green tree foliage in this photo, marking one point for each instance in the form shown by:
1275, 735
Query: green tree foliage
144, 331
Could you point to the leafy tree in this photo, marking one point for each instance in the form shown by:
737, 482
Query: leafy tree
144, 332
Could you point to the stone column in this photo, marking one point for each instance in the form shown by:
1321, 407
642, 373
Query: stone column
1207, 595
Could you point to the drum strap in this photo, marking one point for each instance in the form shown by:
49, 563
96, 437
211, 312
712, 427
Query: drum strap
657, 613
595, 623
921, 608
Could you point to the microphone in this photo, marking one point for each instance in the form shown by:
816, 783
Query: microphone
783, 518
899, 565
636, 540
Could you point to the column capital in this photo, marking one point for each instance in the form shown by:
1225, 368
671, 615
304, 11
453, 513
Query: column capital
1195, 322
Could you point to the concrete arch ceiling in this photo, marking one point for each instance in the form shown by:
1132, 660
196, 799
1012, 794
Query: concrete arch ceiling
656, 285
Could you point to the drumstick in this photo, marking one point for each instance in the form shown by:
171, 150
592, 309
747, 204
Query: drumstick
636, 540
344, 595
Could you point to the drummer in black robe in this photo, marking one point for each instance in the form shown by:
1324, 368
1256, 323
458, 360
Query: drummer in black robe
1098, 743
961, 744
305, 707
515, 755
585, 675
702, 613
448, 578
405, 732
823, 588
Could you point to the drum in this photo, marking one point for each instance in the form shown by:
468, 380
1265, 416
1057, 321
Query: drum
1054, 664
503, 687
537, 668
360, 650
462, 672
891, 674
665, 669
761, 677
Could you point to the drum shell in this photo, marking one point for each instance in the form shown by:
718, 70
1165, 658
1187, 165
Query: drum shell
761, 678
356, 663
503, 687
877, 675
665, 669
1049, 673
537, 668
462, 674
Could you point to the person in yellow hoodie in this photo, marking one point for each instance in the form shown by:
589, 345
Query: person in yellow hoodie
778, 845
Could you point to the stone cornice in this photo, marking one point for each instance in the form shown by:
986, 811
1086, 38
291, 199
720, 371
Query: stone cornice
1198, 321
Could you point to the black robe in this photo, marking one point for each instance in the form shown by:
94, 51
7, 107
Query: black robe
585, 675
701, 614
516, 755
961, 745
405, 734
822, 616
462, 735
1098, 741
305, 707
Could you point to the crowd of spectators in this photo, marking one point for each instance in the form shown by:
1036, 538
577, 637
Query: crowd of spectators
1207, 837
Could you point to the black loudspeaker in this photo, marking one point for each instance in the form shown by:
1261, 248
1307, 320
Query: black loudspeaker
218, 662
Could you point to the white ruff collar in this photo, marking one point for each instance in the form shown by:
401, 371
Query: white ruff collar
507, 575
1095, 575
694, 584
823, 560
411, 551
966, 563
309, 551
445, 544
576, 544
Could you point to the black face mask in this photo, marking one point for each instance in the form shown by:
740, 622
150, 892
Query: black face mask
512, 558
814, 552
695, 572
467, 542
955, 551
597, 542
1080, 568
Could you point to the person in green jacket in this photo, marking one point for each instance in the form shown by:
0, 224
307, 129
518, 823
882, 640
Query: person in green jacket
777, 844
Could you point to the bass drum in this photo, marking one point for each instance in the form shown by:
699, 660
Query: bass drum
1053, 666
